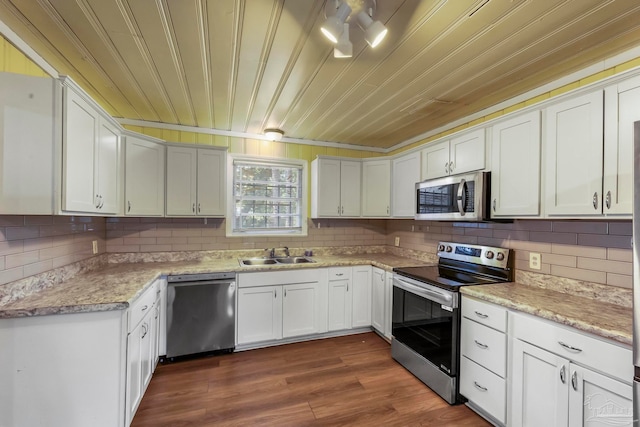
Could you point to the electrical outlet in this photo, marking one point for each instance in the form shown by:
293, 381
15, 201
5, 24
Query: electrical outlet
397, 243
534, 261
95, 246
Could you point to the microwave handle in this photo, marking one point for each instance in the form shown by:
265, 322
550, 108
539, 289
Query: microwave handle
462, 190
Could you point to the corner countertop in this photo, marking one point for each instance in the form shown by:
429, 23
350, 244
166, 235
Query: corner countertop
586, 314
116, 286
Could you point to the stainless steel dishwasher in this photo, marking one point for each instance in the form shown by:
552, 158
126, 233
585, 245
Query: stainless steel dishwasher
200, 313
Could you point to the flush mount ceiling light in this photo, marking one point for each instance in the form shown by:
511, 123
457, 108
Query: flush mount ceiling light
340, 13
333, 25
344, 48
274, 134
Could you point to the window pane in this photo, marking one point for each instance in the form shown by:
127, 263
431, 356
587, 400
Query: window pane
267, 197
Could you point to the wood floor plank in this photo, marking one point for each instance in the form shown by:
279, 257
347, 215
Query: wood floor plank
350, 380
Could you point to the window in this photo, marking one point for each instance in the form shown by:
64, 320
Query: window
267, 197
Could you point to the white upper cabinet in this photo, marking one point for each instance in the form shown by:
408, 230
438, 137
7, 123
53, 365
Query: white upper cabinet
91, 157
622, 109
335, 187
573, 160
26, 144
406, 172
515, 166
195, 181
144, 177
376, 188
463, 153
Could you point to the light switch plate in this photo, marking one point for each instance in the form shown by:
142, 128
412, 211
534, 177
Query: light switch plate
95, 246
397, 243
534, 261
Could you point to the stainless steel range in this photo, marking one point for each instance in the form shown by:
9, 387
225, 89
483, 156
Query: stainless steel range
426, 310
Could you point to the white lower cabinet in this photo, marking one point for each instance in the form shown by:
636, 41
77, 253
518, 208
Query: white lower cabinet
76, 370
281, 304
362, 297
378, 300
349, 298
562, 377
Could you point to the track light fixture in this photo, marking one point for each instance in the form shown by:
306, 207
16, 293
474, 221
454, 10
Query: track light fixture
333, 25
340, 13
344, 48
374, 31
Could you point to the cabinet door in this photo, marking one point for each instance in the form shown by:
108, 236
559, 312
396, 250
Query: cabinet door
597, 400
350, 187
388, 303
146, 350
211, 182
378, 299
515, 166
26, 144
622, 109
376, 188
467, 152
80, 129
540, 387
259, 314
435, 160
300, 309
573, 161
406, 172
362, 297
107, 168
181, 181
325, 186
340, 302
144, 177
134, 372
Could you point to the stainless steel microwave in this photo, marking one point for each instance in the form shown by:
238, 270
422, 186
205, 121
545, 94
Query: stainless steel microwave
462, 197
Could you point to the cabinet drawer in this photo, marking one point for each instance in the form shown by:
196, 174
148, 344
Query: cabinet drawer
484, 388
604, 356
484, 346
142, 305
488, 314
339, 273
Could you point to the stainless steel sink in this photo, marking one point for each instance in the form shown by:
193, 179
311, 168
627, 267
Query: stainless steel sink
293, 260
271, 261
257, 261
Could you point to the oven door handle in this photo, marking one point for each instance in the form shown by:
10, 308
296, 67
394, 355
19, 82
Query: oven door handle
439, 297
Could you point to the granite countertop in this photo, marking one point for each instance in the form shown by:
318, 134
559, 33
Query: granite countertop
116, 286
586, 314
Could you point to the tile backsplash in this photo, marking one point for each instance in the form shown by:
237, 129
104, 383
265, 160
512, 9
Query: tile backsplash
34, 244
592, 251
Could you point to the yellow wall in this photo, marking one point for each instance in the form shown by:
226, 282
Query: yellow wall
14, 61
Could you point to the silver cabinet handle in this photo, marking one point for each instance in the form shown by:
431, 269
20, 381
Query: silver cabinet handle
339, 274
481, 315
494, 205
451, 167
144, 308
387, 210
481, 345
129, 206
608, 200
193, 208
198, 207
97, 200
338, 210
342, 213
285, 293
101, 203
144, 330
563, 374
275, 293
574, 380
347, 287
570, 348
595, 200
446, 167
479, 387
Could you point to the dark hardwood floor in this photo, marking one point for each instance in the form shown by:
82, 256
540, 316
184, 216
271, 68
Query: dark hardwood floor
341, 381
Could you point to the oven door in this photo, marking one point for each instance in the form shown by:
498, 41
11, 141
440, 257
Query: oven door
426, 319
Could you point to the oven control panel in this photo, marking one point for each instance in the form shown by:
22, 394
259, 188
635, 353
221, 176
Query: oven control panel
485, 255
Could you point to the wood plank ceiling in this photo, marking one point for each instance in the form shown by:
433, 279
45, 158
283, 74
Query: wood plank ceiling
244, 65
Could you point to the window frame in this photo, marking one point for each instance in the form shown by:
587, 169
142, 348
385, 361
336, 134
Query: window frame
271, 161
